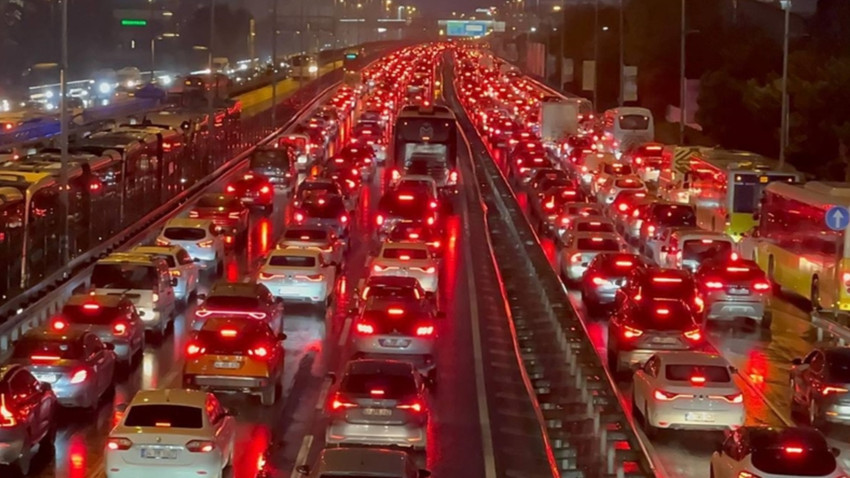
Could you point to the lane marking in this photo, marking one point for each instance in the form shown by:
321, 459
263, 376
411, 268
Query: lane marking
480, 387
301, 458
346, 328
323, 394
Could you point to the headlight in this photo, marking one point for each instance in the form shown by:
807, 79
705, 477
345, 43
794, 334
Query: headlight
313, 69
131, 83
104, 87
165, 80
48, 94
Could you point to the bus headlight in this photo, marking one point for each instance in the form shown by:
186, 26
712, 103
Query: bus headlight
104, 88
313, 69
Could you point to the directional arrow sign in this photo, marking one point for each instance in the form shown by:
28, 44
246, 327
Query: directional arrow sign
837, 218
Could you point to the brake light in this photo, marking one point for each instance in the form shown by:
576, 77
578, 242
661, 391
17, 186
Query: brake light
416, 406
202, 313
667, 280
395, 311
747, 474
631, 332
118, 443
343, 219
200, 446
234, 215
694, 335
311, 278
299, 217
761, 286
623, 207
425, 330
662, 311
205, 244
453, 177
650, 229
365, 329
379, 219
194, 214
231, 189
793, 450
267, 276
260, 352
665, 396
193, 349
229, 333
119, 328
699, 304
257, 315
624, 263
340, 402
576, 257
698, 380
162, 242
734, 398
79, 376
713, 284
550, 205
59, 324
827, 390
44, 358
598, 280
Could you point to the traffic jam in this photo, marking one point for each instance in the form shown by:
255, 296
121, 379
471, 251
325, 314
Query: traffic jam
662, 255
208, 320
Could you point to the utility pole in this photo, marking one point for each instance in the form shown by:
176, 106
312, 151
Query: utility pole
622, 57
596, 54
153, 58
252, 40
274, 64
561, 44
64, 198
783, 133
303, 47
214, 80
682, 107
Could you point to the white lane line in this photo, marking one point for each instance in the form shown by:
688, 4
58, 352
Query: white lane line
301, 458
346, 328
480, 387
323, 394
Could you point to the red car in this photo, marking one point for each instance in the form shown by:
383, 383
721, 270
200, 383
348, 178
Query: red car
253, 190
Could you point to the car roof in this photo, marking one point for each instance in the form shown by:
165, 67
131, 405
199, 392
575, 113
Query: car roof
692, 357
296, 252
129, 258
405, 245
395, 281
375, 462
186, 222
49, 333
104, 300
173, 396
379, 366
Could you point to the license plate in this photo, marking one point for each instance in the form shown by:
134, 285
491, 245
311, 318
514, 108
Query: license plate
665, 340
400, 343
739, 291
248, 199
159, 453
703, 417
230, 365
377, 412
46, 377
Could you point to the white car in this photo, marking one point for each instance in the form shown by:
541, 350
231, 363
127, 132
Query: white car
171, 432
609, 169
688, 248
323, 239
573, 210
298, 275
580, 248
407, 259
198, 237
765, 452
615, 185
180, 264
689, 390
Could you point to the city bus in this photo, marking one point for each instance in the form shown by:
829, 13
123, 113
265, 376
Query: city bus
724, 186
425, 142
798, 249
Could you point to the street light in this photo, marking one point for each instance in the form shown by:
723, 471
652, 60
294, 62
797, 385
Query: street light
783, 133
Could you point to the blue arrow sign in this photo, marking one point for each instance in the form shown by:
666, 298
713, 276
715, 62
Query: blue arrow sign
837, 218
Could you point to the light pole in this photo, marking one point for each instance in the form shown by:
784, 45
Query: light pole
595, 53
274, 63
783, 133
622, 58
64, 200
682, 108
213, 79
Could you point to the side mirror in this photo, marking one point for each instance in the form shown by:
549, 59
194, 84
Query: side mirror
733, 370
424, 473
109, 346
332, 376
303, 469
173, 282
281, 336
797, 361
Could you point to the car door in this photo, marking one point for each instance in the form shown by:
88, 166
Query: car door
26, 396
645, 380
166, 290
224, 427
728, 460
188, 269
96, 358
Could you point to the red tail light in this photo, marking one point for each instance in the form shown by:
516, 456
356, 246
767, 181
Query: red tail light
44, 358
343, 219
259, 352
596, 280
194, 214
827, 390
698, 380
59, 324
623, 207
734, 398
453, 176
339, 401
79, 376
631, 332
415, 406
299, 217
425, 331
231, 189
665, 396
431, 220
311, 278
118, 443
364, 328
234, 215
193, 349
200, 446
694, 335
761, 286
119, 328
379, 219
714, 284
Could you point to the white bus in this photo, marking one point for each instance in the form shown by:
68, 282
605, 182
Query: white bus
625, 128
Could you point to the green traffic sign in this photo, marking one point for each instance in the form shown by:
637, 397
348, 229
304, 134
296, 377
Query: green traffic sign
134, 23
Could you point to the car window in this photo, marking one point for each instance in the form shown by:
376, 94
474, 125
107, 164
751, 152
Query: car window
23, 386
234, 302
124, 276
164, 416
47, 348
91, 313
183, 257
168, 258
597, 244
393, 385
184, 233
686, 373
292, 261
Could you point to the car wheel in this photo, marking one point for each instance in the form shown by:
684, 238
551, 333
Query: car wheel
650, 430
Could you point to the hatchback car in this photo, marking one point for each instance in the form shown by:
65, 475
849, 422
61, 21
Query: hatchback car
28, 420
407, 259
254, 190
605, 275
820, 385
299, 275
320, 238
378, 402
199, 237
238, 355
181, 266
173, 431
112, 318
733, 289
580, 248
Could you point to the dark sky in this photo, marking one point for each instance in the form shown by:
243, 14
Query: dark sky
436, 8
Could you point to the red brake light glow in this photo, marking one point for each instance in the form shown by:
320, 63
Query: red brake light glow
228, 333
667, 280
91, 307
793, 450
365, 329
59, 324
395, 311
631, 332
698, 380
827, 390
425, 330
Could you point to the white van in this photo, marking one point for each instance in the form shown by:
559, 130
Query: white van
625, 128
143, 279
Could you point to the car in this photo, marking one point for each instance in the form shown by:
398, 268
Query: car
228, 214
639, 329
589, 224
299, 275
625, 202
690, 390
398, 206
346, 173
314, 186
660, 215
200, 239
592, 165
378, 402
580, 248
237, 355
28, 418
605, 275
240, 299
398, 329
325, 211
546, 174
407, 259
299, 146
545, 205
375, 462
78, 366
573, 210
632, 223
254, 190
361, 157
112, 318
819, 385
173, 431
389, 287
658, 283
767, 452
523, 166
181, 266
417, 231
277, 164
733, 289
689, 248
146, 281
647, 160
321, 238
609, 169
609, 191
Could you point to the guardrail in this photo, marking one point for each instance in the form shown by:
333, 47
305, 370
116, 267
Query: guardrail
578, 405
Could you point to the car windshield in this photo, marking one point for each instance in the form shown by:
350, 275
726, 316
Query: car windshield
47, 349
227, 202
686, 372
393, 385
292, 261
597, 244
164, 416
391, 292
184, 233
405, 254
594, 227
124, 276
93, 313
634, 122
305, 235
791, 453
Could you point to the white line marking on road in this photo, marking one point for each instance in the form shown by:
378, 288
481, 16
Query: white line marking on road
301, 458
481, 391
346, 327
323, 394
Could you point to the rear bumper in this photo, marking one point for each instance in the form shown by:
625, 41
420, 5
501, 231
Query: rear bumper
227, 383
677, 419
729, 310
340, 432
12, 444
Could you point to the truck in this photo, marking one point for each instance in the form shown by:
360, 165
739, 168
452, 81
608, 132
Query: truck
558, 120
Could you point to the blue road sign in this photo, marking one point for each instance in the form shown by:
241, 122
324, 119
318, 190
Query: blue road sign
837, 218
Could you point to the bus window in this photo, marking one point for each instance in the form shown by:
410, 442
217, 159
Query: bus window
634, 122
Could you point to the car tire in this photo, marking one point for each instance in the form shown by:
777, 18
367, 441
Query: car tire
268, 396
48, 443
21, 466
650, 430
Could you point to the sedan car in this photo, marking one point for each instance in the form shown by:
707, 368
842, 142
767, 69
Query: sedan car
176, 432
228, 214
687, 391
605, 275
407, 259
29, 419
378, 402
199, 237
820, 385
323, 239
417, 231
254, 190
580, 248
112, 318
324, 212
299, 275
733, 289
77, 365
240, 299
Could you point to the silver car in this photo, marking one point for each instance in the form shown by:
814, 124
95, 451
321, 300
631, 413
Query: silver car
320, 238
378, 402
733, 289
298, 275
112, 318
581, 247
324, 211
77, 365
398, 329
